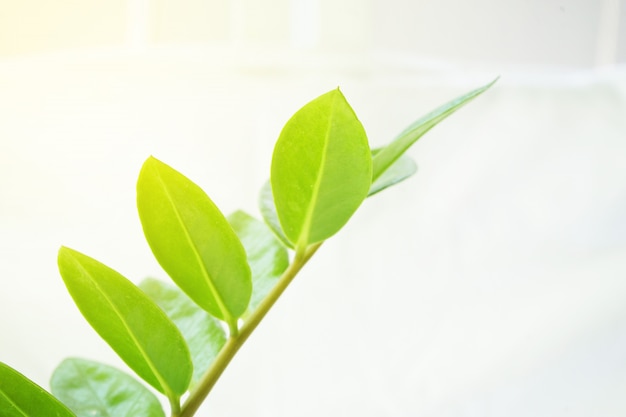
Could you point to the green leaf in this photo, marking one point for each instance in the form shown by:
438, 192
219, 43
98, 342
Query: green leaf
204, 334
321, 169
267, 257
390, 153
193, 241
400, 170
21, 397
92, 389
132, 324
268, 211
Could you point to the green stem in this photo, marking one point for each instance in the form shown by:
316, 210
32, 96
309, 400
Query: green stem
174, 406
233, 344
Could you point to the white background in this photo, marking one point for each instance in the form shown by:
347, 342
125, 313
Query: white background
493, 283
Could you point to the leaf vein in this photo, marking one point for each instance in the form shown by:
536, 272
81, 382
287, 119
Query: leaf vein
131, 334
220, 302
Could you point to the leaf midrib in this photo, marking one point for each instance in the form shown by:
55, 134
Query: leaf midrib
306, 227
216, 295
157, 375
18, 408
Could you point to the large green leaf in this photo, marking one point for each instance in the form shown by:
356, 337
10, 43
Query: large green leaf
390, 153
193, 241
268, 258
400, 170
21, 397
268, 211
204, 334
92, 389
132, 324
321, 169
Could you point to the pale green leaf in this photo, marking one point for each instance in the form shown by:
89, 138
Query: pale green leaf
400, 170
204, 334
321, 169
92, 389
132, 324
21, 397
390, 153
267, 257
268, 211
193, 241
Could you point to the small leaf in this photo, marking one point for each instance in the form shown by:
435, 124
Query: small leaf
268, 259
94, 389
268, 211
321, 169
193, 241
136, 328
204, 334
21, 397
390, 153
400, 170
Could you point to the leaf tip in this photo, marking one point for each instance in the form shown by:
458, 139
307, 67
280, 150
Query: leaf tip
64, 251
489, 84
151, 160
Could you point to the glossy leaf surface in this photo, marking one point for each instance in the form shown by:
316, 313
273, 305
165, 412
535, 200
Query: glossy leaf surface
204, 334
390, 153
21, 397
92, 389
400, 170
267, 257
321, 169
193, 241
268, 211
132, 324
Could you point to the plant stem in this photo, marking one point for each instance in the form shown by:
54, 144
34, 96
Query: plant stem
234, 342
174, 408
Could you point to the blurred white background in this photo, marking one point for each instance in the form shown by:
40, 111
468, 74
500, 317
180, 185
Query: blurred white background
493, 283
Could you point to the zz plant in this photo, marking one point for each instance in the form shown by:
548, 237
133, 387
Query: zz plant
227, 271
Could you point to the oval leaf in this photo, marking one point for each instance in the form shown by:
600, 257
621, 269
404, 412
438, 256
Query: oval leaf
390, 153
321, 169
267, 257
21, 397
193, 242
204, 334
94, 389
132, 324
